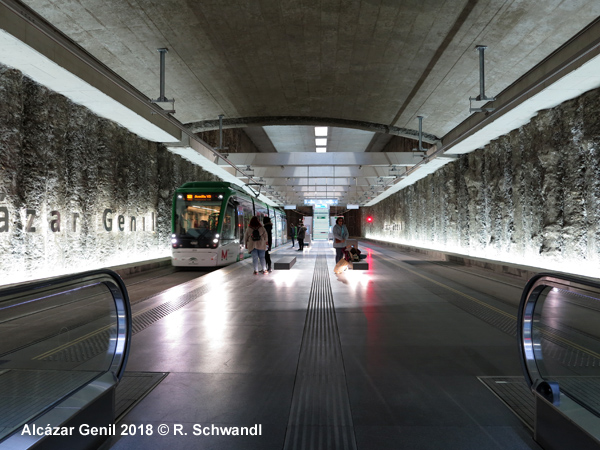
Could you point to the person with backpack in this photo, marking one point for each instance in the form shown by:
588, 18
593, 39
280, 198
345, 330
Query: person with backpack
269, 227
255, 240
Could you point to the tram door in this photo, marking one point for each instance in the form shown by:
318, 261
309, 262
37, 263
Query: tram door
239, 229
229, 241
243, 216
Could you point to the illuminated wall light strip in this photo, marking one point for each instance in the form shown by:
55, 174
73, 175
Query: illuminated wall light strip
529, 260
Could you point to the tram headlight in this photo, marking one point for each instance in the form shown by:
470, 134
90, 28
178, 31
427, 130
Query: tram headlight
216, 241
173, 241
217, 235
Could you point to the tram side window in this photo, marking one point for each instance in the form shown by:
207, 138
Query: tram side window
261, 212
228, 230
247, 213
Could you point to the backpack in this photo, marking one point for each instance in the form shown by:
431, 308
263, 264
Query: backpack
255, 235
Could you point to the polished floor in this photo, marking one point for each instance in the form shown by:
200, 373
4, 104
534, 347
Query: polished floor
387, 358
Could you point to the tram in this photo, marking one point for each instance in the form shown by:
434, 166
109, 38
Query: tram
209, 220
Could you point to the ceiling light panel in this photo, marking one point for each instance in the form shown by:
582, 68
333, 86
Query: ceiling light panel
320, 131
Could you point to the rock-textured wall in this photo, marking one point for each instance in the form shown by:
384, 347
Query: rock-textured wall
532, 196
71, 182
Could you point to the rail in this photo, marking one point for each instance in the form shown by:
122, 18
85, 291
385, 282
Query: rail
559, 344
64, 344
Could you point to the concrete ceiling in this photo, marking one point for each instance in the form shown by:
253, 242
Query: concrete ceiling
362, 67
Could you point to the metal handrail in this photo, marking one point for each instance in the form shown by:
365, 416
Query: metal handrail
548, 340
90, 293
114, 284
529, 350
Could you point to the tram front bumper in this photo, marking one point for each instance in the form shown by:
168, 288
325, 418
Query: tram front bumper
183, 258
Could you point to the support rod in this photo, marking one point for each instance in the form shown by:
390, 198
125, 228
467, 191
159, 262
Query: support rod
420, 133
420, 149
481, 50
481, 96
220, 131
162, 97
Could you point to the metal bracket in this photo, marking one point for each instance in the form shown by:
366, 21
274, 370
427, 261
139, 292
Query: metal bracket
161, 98
481, 97
256, 193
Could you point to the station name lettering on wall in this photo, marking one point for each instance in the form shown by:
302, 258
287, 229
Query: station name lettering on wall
392, 227
109, 221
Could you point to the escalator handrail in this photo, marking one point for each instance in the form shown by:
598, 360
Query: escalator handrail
529, 297
118, 292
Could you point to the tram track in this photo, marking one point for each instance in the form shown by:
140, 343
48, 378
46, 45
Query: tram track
506, 321
141, 318
169, 279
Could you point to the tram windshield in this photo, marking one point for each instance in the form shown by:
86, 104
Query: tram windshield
197, 216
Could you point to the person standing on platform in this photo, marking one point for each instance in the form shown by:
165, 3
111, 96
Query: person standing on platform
269, 227
301, 236
255, 240
340, 234
292, 234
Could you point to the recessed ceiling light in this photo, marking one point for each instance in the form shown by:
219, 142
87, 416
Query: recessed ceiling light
320, 131
321, 141
321, 149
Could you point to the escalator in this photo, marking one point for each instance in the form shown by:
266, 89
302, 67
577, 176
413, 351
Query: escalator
64, 344
559, 342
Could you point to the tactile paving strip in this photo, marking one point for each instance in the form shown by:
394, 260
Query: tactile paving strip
568, 348
83, 350
147, 318
514, 393
503, 320
320, 415
98, 343
497, 320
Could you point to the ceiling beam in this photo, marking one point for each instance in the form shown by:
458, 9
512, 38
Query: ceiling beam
321, 172
345, 159
241, 122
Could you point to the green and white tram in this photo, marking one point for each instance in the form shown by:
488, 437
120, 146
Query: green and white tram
209, 220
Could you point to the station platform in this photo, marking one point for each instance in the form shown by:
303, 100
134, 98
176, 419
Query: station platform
405, 355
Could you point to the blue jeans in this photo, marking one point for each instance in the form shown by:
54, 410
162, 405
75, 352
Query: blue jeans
256, 255
339, 253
